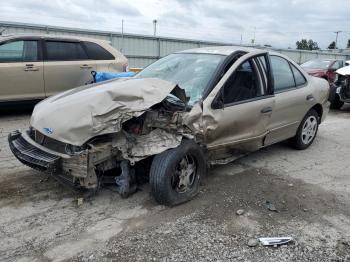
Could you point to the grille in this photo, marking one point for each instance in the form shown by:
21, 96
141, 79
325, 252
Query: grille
32, 156
48, 142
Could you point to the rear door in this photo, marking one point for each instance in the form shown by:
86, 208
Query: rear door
21, 70
293, 100
238, 116
66, 65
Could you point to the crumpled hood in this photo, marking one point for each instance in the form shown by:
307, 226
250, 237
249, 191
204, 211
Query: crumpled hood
344, 71
77, 115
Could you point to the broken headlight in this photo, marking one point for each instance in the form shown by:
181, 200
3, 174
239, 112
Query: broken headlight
72, 150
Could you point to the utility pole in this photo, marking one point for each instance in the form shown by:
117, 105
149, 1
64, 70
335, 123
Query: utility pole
253, 40
336, 39
155, 27
121, 49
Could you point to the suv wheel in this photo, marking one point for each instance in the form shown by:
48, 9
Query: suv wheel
307, 131
175, 174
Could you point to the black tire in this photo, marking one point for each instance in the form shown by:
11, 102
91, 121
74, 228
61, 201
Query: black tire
163, 174
336, 103
298, 141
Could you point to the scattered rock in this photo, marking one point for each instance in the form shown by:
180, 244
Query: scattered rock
240, 212
290, 185
270, 206
80, 201
253, 242
345, 242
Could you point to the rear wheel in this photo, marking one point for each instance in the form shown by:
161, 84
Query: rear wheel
175, 174
336, 103
307, 131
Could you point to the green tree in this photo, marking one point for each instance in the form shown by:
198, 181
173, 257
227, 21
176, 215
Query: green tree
332, 45
305, 44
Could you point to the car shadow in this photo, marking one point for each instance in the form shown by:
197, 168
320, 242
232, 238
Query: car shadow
9, 110
345, 108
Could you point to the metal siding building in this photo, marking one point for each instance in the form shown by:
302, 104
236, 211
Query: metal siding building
141, 50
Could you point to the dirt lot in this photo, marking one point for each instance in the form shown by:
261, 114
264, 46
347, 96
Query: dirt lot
40, 219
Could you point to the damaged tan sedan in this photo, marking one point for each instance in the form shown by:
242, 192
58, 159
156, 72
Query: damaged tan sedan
180, 115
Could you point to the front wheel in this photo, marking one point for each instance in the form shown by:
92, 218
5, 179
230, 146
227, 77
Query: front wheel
307, 131
175, 174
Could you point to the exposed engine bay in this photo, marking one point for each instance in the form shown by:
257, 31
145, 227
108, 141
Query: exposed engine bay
342, 83
343, 90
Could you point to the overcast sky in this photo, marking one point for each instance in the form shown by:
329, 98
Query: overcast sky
279, 23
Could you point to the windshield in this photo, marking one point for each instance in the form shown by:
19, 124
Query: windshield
192, 72
317, 64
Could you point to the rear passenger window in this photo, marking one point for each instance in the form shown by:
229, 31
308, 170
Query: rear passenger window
64, 51
97, 52
19, 51
299, 78
282, 74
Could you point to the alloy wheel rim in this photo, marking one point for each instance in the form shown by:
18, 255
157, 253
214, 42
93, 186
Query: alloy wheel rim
309, 130
184, 175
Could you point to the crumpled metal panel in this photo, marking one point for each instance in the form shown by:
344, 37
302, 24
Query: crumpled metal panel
135, 148
194, 120
80, 114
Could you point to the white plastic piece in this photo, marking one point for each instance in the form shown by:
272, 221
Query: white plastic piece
274, 241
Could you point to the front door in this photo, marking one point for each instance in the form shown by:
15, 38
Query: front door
21, 71
66, 66
246, 107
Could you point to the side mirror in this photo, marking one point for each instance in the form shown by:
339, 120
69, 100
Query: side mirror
219, 102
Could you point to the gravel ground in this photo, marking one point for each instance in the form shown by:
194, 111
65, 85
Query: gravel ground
40, 220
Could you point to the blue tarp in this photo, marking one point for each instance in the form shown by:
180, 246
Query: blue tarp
103, 76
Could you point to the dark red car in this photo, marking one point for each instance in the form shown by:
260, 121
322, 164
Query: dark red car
323, 68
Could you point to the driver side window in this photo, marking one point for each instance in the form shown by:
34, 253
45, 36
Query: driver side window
243, 84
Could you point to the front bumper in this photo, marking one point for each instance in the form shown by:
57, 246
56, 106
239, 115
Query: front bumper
77, 170
32, 156
340, 92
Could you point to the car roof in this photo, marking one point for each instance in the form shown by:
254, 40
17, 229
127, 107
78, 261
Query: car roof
224, 50
326, 59
50, 36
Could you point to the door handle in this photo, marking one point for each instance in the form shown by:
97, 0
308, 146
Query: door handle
266, 110
31, 68
85, 66
310, 98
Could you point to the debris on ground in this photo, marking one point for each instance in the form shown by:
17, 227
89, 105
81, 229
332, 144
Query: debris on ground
275, 241
345, 242
240, 212
80, 201
253, 242
270, 206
